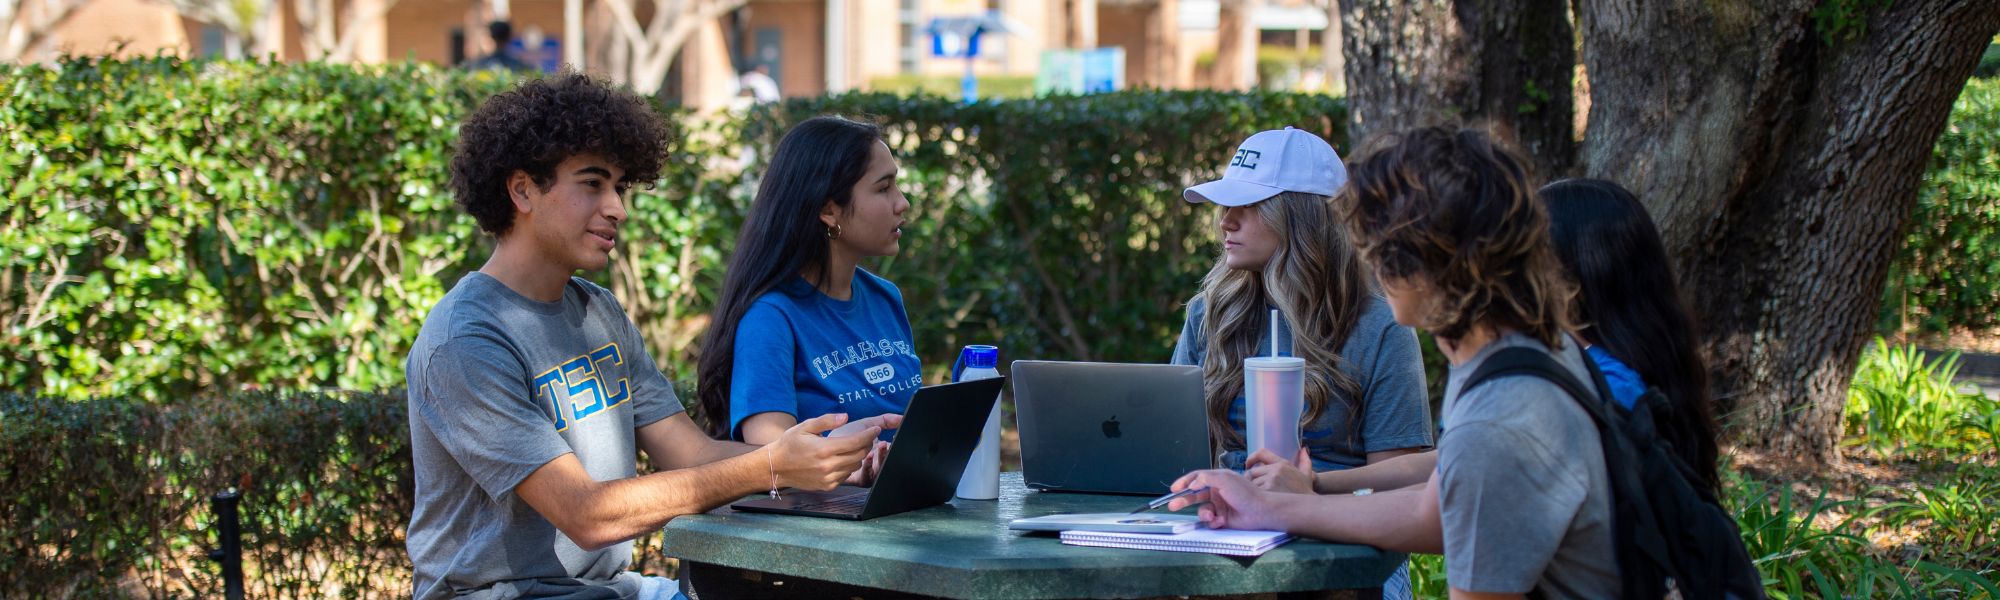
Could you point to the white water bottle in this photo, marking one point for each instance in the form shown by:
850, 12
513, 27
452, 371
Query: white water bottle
981, 480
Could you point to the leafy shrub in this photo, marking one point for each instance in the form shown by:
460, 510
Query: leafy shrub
1899, 399
1958, 520
1989, 62
170, 226
1947, 275
1815, 549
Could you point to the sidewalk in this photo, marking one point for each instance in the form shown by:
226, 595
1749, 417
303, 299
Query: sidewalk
1976, 370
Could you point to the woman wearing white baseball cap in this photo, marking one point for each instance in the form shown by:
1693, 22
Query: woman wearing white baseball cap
1283, 248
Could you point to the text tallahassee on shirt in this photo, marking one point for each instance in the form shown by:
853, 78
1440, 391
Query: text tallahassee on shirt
833, 362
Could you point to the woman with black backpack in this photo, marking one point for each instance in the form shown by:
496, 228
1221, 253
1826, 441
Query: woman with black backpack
1631, 315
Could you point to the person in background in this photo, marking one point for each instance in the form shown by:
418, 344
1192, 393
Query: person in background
500, 59
758, 84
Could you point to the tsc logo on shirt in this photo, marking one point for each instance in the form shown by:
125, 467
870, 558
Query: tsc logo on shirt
577, 387
879, 374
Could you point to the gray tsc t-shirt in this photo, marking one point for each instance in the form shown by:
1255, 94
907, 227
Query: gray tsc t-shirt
1380, 355
1523, 494
499, 385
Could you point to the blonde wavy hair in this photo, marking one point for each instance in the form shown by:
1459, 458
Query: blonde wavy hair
1316, 280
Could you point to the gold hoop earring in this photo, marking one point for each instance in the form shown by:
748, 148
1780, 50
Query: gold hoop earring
833, 233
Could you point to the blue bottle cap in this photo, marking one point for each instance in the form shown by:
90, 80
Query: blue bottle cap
980, 356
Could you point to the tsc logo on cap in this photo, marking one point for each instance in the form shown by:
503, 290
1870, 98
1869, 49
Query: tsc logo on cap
876, 375
1246, 158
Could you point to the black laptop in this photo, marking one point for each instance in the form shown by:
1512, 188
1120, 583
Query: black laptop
1109, 427
940, 429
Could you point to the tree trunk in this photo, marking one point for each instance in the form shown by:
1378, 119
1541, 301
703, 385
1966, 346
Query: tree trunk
1781, 168
1082, 22
1509, 63
25, 24
1236, 46
1331, 53
1163, 35
652, 48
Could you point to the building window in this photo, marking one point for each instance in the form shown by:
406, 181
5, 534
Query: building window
213, 41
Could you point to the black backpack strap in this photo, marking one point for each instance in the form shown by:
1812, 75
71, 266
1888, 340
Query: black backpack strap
1633, 518
1529, 361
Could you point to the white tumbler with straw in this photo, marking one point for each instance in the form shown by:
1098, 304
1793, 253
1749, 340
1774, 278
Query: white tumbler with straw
1274, 395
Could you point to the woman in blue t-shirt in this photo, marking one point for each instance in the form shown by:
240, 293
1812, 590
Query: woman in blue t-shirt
801, 330
1632, 320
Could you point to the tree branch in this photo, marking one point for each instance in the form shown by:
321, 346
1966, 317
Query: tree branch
24, 33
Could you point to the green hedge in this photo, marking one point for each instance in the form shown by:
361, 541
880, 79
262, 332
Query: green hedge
108, 497
1947, 275
173, 226
177, 227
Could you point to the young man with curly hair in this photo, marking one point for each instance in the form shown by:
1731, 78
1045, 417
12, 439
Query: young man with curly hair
530, 390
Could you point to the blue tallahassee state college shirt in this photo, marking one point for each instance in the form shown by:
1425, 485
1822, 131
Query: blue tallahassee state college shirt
803, 353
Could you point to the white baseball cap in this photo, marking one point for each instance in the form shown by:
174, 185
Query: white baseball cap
1285, 160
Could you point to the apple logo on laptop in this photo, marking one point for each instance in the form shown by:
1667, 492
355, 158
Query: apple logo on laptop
1111, 427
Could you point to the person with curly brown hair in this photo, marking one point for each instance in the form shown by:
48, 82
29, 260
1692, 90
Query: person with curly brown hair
1519, 499
530, 391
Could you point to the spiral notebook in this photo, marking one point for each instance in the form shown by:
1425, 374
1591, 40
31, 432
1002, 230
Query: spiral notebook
1212, 541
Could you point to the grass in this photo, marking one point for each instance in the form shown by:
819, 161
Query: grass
993, 86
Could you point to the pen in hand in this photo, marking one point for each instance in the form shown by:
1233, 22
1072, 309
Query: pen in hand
1163, 500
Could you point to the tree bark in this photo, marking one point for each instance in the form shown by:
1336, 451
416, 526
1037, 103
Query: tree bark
1508, 63
1782, 168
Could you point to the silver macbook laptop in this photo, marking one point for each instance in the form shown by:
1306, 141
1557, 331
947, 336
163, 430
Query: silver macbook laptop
1109, 427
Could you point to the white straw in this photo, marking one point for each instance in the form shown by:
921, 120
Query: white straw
1274, 332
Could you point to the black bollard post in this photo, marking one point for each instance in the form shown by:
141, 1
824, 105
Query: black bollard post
231, 539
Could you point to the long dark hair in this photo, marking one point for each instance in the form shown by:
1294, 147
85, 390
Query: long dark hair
1629, 305
817, 162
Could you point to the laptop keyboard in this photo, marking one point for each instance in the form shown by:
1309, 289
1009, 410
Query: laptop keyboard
850, 503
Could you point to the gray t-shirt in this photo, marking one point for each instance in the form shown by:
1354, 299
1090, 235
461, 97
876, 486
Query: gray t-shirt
500, 385
1522, 493
1380, 355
